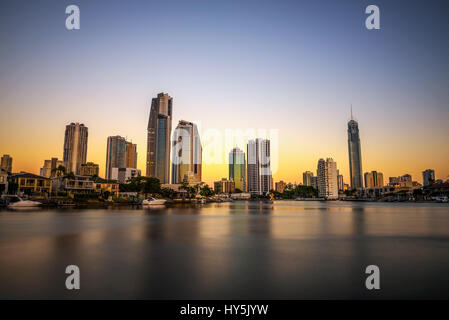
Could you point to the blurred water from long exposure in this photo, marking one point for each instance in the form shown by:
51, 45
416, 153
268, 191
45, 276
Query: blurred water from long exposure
235, 250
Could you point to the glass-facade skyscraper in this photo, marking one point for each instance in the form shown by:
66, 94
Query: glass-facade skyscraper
158, 138
237, 168
355, 156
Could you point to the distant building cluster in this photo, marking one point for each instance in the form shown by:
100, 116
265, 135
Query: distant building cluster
330, 183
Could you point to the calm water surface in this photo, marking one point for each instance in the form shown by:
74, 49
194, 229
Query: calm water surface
239, 250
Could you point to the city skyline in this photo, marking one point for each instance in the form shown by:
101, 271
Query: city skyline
73, 127
290, 78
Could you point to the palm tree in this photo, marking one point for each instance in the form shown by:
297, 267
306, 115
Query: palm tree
59, 171
70, 176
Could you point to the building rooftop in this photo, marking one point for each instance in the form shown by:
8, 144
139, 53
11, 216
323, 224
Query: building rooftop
27, 175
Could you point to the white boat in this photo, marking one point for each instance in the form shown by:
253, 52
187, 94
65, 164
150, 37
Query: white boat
17, 202
153, 201
441, 199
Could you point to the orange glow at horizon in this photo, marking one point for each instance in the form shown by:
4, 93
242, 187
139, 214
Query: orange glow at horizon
29, 148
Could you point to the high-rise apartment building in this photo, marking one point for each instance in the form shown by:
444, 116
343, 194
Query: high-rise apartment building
374, 179
321, 177
120, 154
115, 154
131, 155
6, 163
258, 167
355, 156
314, 182
237, 168
187, 152
158, 138
307, 178
341, 184
327, 178
428, 177
75, 147
49, 167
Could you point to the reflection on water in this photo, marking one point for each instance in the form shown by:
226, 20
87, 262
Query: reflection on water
286, 249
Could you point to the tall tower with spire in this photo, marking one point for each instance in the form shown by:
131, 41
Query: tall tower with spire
355, 154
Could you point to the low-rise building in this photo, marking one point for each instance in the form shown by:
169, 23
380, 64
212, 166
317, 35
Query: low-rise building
89, 169
190, 178
122, 175
3, 182
280, 186
102, 186
436, 190
224, 186
404, 181
48, 170
241, 196
81, 184
29, 183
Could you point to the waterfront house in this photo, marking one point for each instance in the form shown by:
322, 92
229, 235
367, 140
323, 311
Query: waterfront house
103, 185
77, 184
29, 183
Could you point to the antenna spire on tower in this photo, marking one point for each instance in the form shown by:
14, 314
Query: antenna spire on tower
352, 118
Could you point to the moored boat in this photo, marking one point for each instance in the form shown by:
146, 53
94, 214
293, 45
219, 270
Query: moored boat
153, 201
17, 202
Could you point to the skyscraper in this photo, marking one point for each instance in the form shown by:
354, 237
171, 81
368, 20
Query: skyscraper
237, 168
327, 178
428, 177
75, 147
158, 138
259, 171
355, 157
187, 152
6, 163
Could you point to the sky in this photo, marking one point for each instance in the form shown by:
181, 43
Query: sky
292, 68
